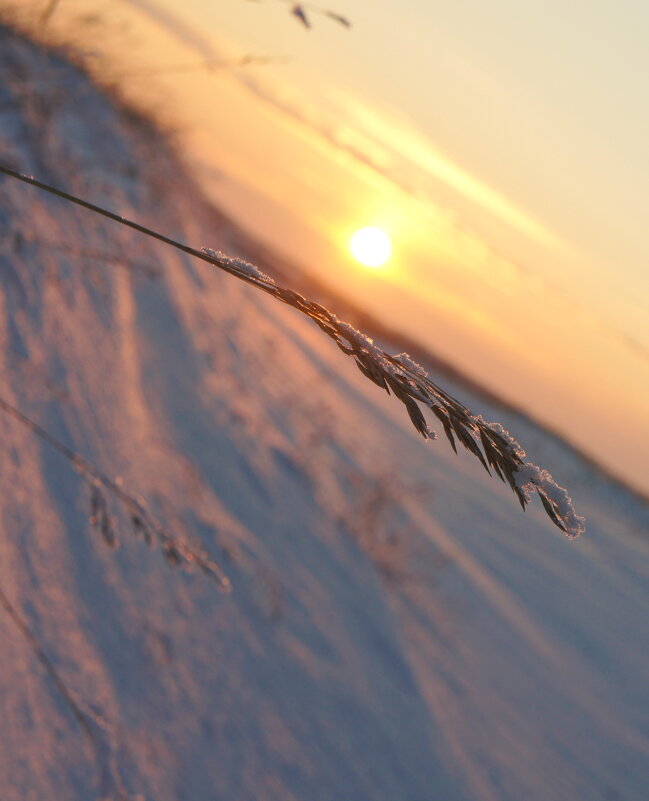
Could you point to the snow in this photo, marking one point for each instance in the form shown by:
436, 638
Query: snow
397, 627
411, 364
240, 265
530, 476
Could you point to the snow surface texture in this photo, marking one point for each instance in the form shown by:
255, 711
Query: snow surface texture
397, 628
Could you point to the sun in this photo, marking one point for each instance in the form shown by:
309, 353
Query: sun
371, 247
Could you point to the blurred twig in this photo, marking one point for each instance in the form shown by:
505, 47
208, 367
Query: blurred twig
299, 11
175, 549
207, 65
48, 11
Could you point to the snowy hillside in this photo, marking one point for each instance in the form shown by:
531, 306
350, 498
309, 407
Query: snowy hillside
397, 627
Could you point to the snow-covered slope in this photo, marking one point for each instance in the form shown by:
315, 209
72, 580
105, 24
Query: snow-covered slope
397, 627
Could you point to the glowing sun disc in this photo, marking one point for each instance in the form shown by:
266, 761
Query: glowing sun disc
371, 247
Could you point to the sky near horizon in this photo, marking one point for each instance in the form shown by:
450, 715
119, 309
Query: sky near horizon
503, 147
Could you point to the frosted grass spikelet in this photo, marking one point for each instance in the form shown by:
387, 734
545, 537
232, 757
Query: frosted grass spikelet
399, 375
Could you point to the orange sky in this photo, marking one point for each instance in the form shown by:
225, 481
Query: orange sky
501, 276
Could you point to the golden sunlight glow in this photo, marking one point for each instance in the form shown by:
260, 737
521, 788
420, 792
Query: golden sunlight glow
371, 247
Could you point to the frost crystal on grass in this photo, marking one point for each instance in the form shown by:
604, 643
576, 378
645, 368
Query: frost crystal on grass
411, 364
502, 432
555, 499
241, 265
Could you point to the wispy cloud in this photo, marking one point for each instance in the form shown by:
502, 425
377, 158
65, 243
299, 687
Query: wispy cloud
394, 148
375, 138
